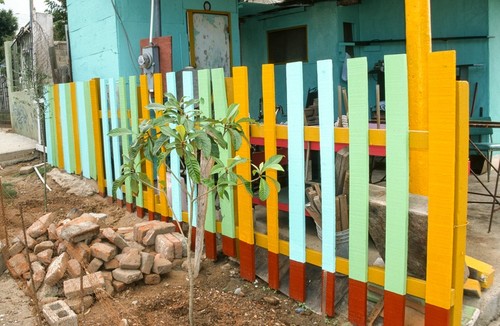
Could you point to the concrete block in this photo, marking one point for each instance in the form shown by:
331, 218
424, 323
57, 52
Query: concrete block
103, 251
131, 260
56, 269
59, 314
44, 245
114, 237
18, 265
161, 265
79, 232
127, 276
40, 226
165, 247
45, 256
94, 265
24, 170
91, 283
152, 279
147, 261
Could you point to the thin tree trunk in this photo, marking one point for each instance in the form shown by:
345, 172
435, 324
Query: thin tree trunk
206, 166
190, 266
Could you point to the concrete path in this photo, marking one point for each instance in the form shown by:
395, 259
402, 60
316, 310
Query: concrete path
14, 304
15, 148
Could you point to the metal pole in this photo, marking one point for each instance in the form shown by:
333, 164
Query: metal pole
157, 18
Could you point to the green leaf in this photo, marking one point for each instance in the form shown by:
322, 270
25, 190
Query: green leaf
263, 190
276, 183
247, 184
118, 183
159, 143
273, 163
235, 139
181, 130
193, 167
120, 132
156, 106
204, 143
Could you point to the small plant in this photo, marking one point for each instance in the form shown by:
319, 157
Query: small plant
181, 128
8, 191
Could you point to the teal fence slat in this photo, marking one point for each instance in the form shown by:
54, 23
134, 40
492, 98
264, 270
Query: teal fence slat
84, 129
124, 123
220, 111
327, 160
397, 166
90, 134
106, 140
358, 168
175, 161
48, 116
296, 166
134, 117
65, 129
115, 141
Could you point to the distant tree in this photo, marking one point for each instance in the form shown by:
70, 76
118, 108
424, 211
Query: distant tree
59, 12
8, 28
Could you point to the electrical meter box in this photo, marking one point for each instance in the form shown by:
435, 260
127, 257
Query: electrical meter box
149, 61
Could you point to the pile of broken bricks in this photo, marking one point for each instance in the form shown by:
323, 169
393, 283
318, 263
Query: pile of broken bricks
77, 258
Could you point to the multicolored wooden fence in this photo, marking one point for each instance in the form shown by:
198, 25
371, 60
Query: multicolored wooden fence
81, 115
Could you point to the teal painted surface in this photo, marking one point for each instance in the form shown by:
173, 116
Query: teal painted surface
106, 140
64, 127
296, 186
220, 110
373, 20
204, 91
93, 39
327, 161
358, 173
398, 173
84, 128
48, 116
115, 141
494, 66
187, 86
134, 117
105, 41
175, 162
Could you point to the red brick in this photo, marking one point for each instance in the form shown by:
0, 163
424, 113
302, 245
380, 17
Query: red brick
114, 238
103, 251
38, 274
16, 248
45, 257
152, 279
78, 232
147, 261
142, 229
40, 226
112, 264
74, 269
127, 276
165, 247
79, 251
90, 283
52, 232
177, 245
18, 265
119, 286
56, 269
161, 265
43, 246
94, 265
131, 260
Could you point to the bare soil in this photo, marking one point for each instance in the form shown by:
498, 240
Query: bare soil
221, 297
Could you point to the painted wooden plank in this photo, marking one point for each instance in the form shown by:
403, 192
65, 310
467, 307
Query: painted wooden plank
108, 167
245, 211
327, 161
69, 125
175, 162
269, 105
442, 135
65, 128
96, 135
84, 128
205, 94
125, 140
58, 127
418, 48
188, 91
134, 119
115, 141
358, 164
76, 129
89, 98
461, 184
359, 188
149, 196
49, 129
397, 163
162, 169
296, 185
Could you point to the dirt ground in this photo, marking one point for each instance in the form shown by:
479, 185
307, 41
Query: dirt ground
221, 297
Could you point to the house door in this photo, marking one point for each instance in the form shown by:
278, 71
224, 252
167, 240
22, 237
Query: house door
210, 40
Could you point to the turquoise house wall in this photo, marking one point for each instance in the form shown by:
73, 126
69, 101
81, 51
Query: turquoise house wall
93, 39
373, 20
322, 37
103, 45
494, 66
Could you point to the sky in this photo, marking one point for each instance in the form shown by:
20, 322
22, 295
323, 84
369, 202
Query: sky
21, 9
